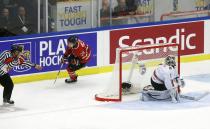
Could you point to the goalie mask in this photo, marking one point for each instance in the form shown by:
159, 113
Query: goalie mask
170, 61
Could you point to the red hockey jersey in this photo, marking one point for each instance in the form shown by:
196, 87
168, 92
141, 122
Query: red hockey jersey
82, 52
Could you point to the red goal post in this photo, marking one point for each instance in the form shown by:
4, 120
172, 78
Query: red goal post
126, 68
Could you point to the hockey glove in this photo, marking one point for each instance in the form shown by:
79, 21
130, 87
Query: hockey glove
180, 81
63, 60
38, 67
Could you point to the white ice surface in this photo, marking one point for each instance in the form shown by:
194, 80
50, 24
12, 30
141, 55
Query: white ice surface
72, 106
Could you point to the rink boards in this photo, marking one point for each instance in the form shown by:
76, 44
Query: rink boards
47, 50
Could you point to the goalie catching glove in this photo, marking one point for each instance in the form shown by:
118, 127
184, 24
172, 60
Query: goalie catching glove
180, 82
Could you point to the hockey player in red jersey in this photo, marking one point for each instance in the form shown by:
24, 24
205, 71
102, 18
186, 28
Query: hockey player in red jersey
77, 55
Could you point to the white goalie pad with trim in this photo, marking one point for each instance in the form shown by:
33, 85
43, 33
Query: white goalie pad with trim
155, 95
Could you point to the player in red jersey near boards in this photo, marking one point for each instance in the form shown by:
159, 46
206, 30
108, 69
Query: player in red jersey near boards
77, 55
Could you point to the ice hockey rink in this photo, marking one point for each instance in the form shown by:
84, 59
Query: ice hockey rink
72, 106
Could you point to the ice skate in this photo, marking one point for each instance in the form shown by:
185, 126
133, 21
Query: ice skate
69, 80
7, 102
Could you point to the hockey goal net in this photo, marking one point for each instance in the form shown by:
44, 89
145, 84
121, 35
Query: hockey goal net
184, 15
127, 67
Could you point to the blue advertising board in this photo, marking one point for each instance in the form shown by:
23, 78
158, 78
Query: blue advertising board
48, 51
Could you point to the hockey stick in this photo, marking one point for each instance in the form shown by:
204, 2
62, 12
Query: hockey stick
58, 74
194, 98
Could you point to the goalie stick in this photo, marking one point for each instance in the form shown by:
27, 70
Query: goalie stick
58, 74
194, 98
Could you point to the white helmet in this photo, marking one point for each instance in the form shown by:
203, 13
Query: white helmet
170, 60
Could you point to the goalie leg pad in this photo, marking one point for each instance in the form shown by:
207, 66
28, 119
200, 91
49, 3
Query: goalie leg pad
154, 95
175, 98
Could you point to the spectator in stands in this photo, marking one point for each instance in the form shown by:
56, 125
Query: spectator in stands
120, 10
22, 24
11, 5
31, 7
105, 13
5, 19
131, 6
105, 10
5, 23
140, 8
207, 7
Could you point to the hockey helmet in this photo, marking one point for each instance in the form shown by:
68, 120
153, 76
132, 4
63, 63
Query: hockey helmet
170, 60
73, 39
15, 48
